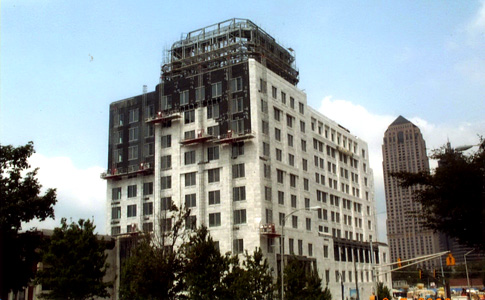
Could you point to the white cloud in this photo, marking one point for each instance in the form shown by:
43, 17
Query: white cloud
80, 192
476, 26
371, 127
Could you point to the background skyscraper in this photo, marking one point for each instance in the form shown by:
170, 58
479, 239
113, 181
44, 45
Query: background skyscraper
404, 149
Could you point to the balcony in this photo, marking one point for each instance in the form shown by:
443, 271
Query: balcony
268, 230
232, 137
161, 117
118, 173
201, 137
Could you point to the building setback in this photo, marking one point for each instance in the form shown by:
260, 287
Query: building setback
404, 149
228, 134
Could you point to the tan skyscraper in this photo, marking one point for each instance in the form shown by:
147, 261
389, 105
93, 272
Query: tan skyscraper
404, 149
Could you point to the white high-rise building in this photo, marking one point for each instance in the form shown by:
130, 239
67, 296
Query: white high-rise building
228, 134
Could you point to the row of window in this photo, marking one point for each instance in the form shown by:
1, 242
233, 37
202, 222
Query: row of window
274, 93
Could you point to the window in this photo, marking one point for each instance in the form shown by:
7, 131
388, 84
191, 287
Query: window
118, 119
166, 141
293, 180
166, 102
133, 134
307, 203
148, 208
294, 221
149, 149
189, 116
240, 216
289, 120
115, 230
214, 197
274, 92
302, 126
292, 102
118, 137
166, 182
264, 106
214, 175
293, 201
310, 249
267, 193
166, 224
291, 245
237, 149
304, 164
237, 105
269, 216
116, 193
190, 200
239, 193
191, 222
166, 203
131, 191
115, 213
281, 197
277, 114
131, 210
301, 107
190, 178
262, 86
277, 134
266, 151
134, 115
279, 154
166, 162
283, 98
308, 224
306, 184
280, 176
303, 145
216, 89
132, 152
238, 171
199, 93
213, 111
291, 160
147, 188
148, 227
236, 84
265, 127
266, 171
189, 157
188, 135
325, 251
237, 126
300, 247
290, 140
238, 246
281, 218
213, 153
214, 219
184, 97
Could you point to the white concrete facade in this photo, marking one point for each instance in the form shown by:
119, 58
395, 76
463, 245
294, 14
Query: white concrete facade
312, 161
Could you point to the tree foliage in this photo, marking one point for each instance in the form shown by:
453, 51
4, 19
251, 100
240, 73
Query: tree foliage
303, 282
154, 268
74, 263
383, 291
20, 201
453, 197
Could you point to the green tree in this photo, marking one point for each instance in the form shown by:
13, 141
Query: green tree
251, 280
204, 267
74, 261
303, 282
20, 201
153, 269
383, 291
453, 197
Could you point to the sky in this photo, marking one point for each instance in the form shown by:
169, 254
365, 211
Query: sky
361, 63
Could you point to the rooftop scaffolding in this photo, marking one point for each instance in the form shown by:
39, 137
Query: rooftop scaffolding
224, 44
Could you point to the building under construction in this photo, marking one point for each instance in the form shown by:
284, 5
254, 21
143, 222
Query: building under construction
228, 134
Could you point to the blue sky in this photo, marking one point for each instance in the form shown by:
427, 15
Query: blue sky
362, 63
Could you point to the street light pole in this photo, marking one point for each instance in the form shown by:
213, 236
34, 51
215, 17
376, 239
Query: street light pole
282, 245
467, 278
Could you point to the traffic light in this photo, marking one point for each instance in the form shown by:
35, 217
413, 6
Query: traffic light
434, 273
399, 262
450, 260
420, 272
